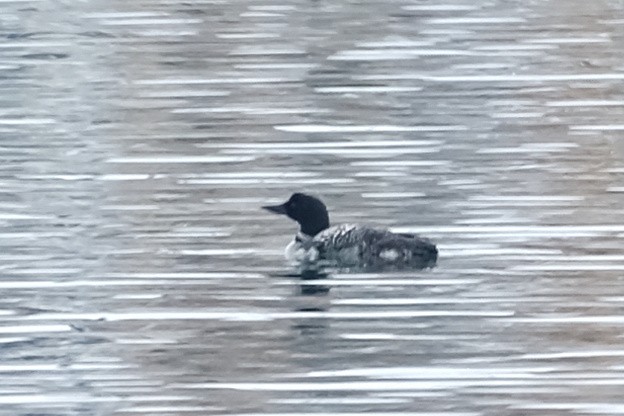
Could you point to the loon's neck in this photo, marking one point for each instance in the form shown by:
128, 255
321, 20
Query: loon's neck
314, 224
302, 237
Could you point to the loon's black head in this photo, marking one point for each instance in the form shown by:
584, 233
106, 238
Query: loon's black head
308, 211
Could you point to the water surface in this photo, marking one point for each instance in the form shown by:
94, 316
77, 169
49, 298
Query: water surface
139, 139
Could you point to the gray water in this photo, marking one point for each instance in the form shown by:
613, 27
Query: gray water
138, 140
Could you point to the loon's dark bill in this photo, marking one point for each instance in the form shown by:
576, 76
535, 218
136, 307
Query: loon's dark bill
278, 209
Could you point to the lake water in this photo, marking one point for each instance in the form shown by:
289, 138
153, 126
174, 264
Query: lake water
138, 139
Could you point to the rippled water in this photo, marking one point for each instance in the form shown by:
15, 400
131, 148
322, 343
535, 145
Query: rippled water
139, 138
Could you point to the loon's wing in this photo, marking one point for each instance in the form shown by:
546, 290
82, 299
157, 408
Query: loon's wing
404, 248
355, 243
348, 235
413, 237
338, 237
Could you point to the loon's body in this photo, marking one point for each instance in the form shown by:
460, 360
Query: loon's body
349, 245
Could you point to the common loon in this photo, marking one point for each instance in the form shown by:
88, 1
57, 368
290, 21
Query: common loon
349, 245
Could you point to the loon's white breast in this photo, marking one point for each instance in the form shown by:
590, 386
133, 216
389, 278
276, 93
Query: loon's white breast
302, 250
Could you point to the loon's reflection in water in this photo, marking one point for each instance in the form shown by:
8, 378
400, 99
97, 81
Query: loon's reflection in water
309, 286
311, 281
